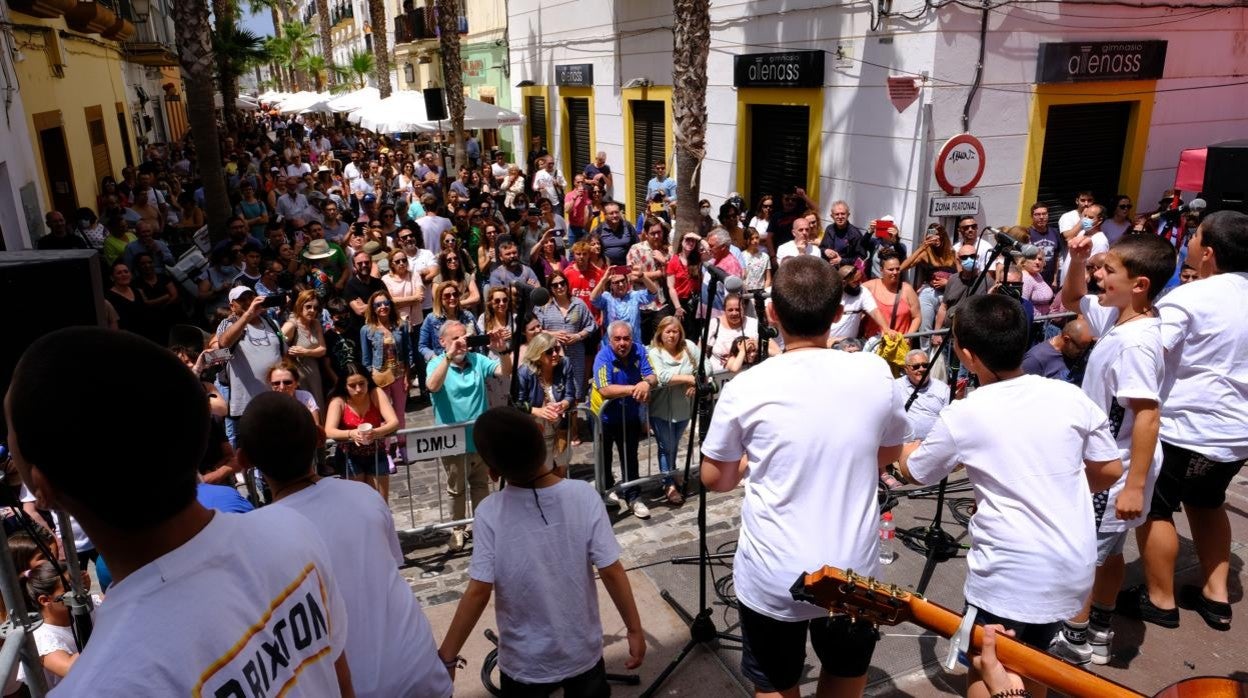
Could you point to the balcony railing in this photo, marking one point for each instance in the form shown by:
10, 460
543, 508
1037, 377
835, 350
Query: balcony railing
421, 24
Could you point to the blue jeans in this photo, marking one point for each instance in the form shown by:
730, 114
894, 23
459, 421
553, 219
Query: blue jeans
929, 304
667, 434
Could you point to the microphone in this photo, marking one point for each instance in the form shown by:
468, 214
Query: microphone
1194, 206
1005, 241
719, 274
733, 284
533, 295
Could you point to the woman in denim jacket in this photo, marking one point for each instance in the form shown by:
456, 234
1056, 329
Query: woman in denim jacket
386, 351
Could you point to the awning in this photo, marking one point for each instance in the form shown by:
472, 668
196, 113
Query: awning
404, 111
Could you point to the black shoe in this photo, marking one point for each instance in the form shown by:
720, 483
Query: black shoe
1216, 613
1133, 602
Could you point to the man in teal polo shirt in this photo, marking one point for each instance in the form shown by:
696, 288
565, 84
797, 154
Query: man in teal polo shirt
457, 389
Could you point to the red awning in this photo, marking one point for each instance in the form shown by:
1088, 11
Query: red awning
1191, 173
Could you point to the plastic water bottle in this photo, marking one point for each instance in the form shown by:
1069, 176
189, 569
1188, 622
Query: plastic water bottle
887, 534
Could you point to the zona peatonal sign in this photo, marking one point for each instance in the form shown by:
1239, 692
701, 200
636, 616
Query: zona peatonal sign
1106, 60
788, 69
575, 75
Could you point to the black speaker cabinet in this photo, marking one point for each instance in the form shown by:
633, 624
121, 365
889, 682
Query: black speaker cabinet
435, 104
1226, 176
42, 291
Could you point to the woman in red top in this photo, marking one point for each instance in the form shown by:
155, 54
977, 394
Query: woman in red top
360, 416
889, 291
684, 282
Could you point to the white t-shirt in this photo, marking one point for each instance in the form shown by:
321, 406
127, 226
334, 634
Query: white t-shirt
1100, 244
431, 228
1206, 343
390, 644
1068, 220
545, 597
760, 225
48, 639
1125, 364
789, 249
251, 598
1033, 542
853, 308
810, 490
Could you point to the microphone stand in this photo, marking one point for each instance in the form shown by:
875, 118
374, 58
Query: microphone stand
765, 331
702, 628
934, 542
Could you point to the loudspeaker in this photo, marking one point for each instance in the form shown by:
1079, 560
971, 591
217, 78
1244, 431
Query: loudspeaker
42, 291
435, 104
1226, 176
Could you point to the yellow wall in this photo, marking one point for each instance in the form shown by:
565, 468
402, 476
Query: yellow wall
93, 77
811, 97
656, 94
565, 133
1140, 93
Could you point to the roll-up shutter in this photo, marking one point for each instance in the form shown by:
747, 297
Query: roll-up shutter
779, 142
536, 108
649, 147
578, 131
1083, 148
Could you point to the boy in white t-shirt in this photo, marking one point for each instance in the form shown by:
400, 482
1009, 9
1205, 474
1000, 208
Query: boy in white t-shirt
1033, 550
1204, 427
388, 636
1124, 377
202, 602
537, 542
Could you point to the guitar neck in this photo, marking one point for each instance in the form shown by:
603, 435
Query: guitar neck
1023, 659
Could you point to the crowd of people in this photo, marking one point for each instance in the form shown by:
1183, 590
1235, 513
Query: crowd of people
360, 280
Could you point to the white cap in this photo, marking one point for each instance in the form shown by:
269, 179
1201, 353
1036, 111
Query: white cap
238, 292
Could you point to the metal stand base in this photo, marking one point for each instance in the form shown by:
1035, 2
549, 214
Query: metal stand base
702, 631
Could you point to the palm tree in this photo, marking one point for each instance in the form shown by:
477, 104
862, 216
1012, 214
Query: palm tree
235, 50
316, 66
354, 75
299, 40
452, 72
279, 12
327, 38
190, 19
691, 39
381, 45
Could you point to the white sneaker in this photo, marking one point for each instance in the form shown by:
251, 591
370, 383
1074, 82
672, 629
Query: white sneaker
1101, 642
640, 510
613, 497
1074, 653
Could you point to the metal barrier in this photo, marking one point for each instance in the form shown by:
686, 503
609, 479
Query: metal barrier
1067, 315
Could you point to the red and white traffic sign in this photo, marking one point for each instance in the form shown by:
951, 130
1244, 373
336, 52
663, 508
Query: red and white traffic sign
960, 164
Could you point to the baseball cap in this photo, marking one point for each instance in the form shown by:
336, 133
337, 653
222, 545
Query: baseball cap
369, 199
239, 291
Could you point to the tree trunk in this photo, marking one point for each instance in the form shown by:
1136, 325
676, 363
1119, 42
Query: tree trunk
691, 39
381, 45
327, 37
195, 55
452, 73
223, 11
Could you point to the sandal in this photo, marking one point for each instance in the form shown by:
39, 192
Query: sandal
674, 496
890, 482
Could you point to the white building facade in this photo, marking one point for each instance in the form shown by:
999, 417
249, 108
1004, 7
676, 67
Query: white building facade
1072, 95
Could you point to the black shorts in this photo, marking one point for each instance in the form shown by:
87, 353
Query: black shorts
1038, 635
773, 652
1189, 478
591, 684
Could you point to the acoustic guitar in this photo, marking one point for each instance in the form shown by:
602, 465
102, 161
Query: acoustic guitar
883, 604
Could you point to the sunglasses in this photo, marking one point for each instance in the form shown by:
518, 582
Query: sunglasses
407, 238
451, 294
966, 256
558, 284
918, 366
1124, 207
498, 301
278, 384
381, 304
553, 351
400, 260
